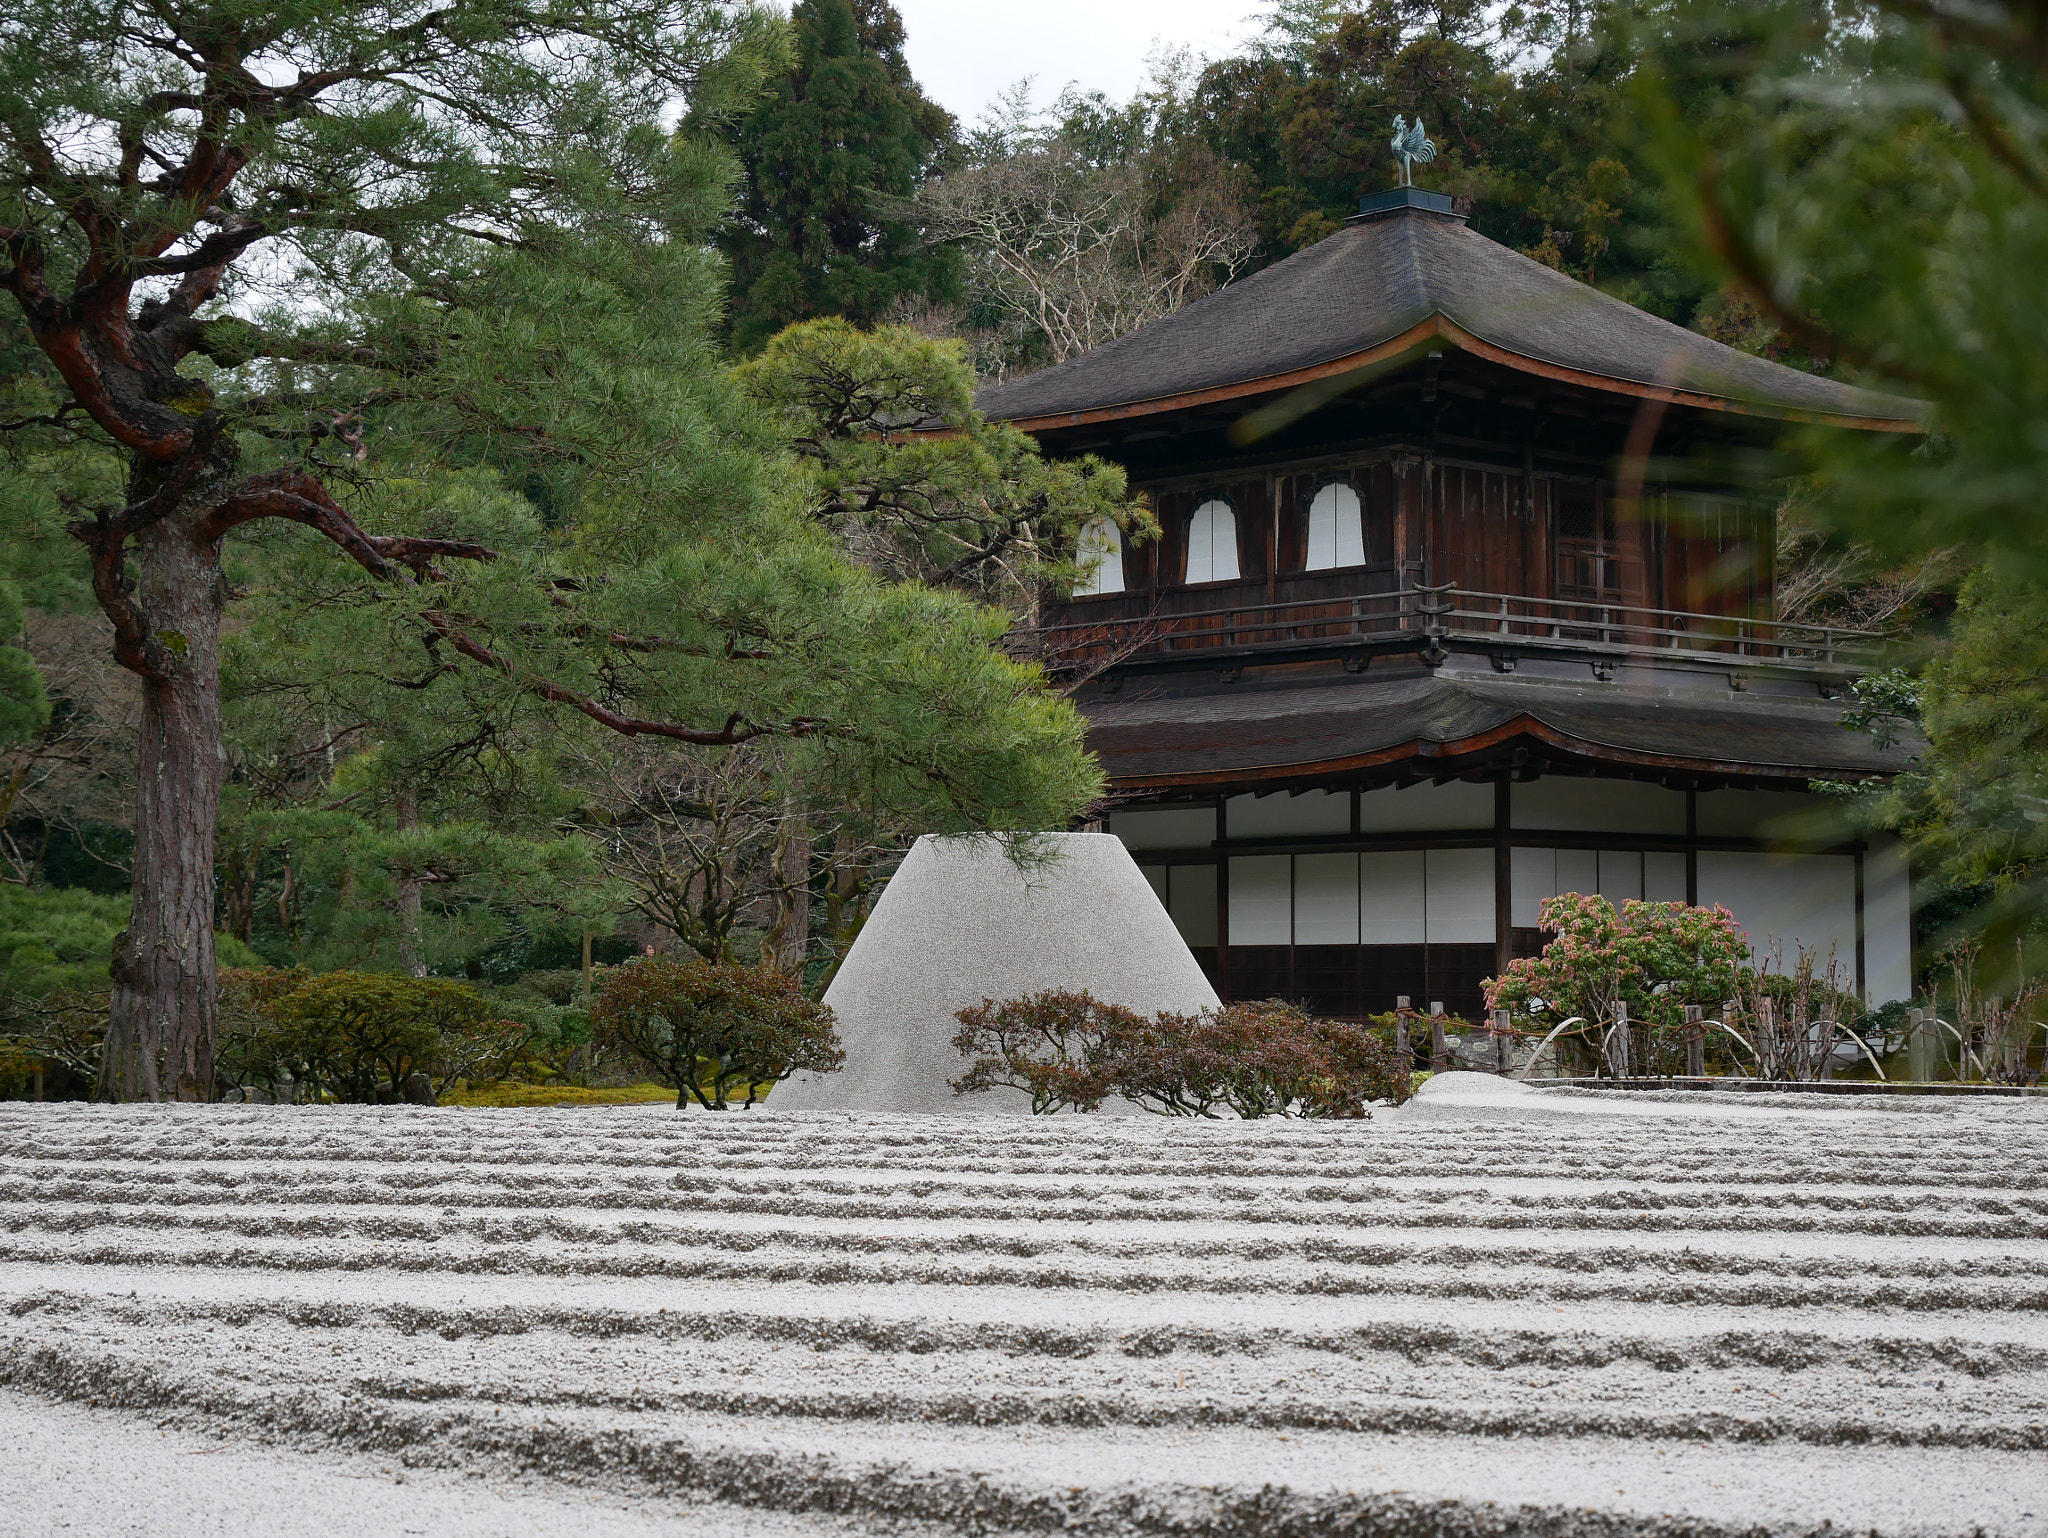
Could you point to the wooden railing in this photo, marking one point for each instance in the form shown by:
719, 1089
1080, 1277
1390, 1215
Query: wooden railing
1447, 612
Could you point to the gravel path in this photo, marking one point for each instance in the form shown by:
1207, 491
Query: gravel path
1486, 1313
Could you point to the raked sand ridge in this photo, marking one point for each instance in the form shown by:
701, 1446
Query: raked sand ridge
1485, 1313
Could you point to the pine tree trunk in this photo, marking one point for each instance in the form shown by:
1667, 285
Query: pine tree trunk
790, 939
160, 1035
410, 959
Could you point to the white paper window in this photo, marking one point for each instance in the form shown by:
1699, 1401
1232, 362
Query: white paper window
1458, 900
1261, 900
1391, 887
1336, 528
1100, 553
1212, 543
1326, 899
1621, 876
1192, 902
1533, 878
1664, 877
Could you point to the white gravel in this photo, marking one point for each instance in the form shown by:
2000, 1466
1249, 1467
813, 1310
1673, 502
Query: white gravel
1494, 1311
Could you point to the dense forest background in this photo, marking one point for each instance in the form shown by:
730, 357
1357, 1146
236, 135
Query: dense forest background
1850, 189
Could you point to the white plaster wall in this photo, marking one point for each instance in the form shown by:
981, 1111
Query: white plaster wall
1807, 900
1165, 827
1426, 808
1783, 814
1285, 816
1887, 921
1575, 805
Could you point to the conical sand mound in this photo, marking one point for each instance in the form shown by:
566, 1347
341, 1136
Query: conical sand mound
960, 923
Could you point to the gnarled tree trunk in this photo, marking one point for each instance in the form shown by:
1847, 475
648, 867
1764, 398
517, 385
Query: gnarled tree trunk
160, 1036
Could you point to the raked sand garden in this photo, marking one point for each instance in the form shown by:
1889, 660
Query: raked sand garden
1494, 1310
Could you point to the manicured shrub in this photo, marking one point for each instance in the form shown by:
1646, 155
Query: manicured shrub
1654, 957
1070, 1051
712, 1030
1054, 1046
363, 1038
1258, 1059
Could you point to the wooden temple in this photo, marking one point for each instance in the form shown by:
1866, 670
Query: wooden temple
1461, 601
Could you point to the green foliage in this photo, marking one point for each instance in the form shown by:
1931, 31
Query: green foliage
1654, 957
1873, 178
56, 941
24, 706
710, 1030
1519, 100
842, 131
359, 1037
966, 502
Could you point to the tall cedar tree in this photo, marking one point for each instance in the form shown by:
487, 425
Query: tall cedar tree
845, 128
290, 259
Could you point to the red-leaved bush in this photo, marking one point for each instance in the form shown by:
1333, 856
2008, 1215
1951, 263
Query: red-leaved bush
1054, 1046
1070, 1051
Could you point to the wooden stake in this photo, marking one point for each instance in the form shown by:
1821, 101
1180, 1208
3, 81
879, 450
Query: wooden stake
1617, 1043
1439, 1049
1695, 1042
1404, 1051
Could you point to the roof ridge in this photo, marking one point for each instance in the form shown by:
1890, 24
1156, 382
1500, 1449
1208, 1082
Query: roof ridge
1369, 284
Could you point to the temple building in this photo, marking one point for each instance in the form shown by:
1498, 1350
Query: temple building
1462, 600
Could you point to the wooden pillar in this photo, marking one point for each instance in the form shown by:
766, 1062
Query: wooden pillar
1764, 1029
1503, 1040
1503, 876
1862, 951
1618, 1064
1439, 1049
1223, 979
1404, 1048
1692, 848
1922, 1046
1695, 1042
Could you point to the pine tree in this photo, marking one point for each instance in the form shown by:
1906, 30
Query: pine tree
846, 130
294, 265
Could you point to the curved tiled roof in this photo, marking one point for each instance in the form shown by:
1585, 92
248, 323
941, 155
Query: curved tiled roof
1387, 283
1321, 728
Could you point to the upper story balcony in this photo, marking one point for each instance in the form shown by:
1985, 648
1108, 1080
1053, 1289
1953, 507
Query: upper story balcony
1138, 628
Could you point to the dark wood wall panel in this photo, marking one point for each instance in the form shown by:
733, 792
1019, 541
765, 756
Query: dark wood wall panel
1487, 529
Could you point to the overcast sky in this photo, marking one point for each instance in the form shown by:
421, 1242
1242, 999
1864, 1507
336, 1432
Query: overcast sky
964, 51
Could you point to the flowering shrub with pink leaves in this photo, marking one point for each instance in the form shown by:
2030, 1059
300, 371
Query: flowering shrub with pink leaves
1655, 957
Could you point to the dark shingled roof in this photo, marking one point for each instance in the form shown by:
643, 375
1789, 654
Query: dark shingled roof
1326, 727
1383, 277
